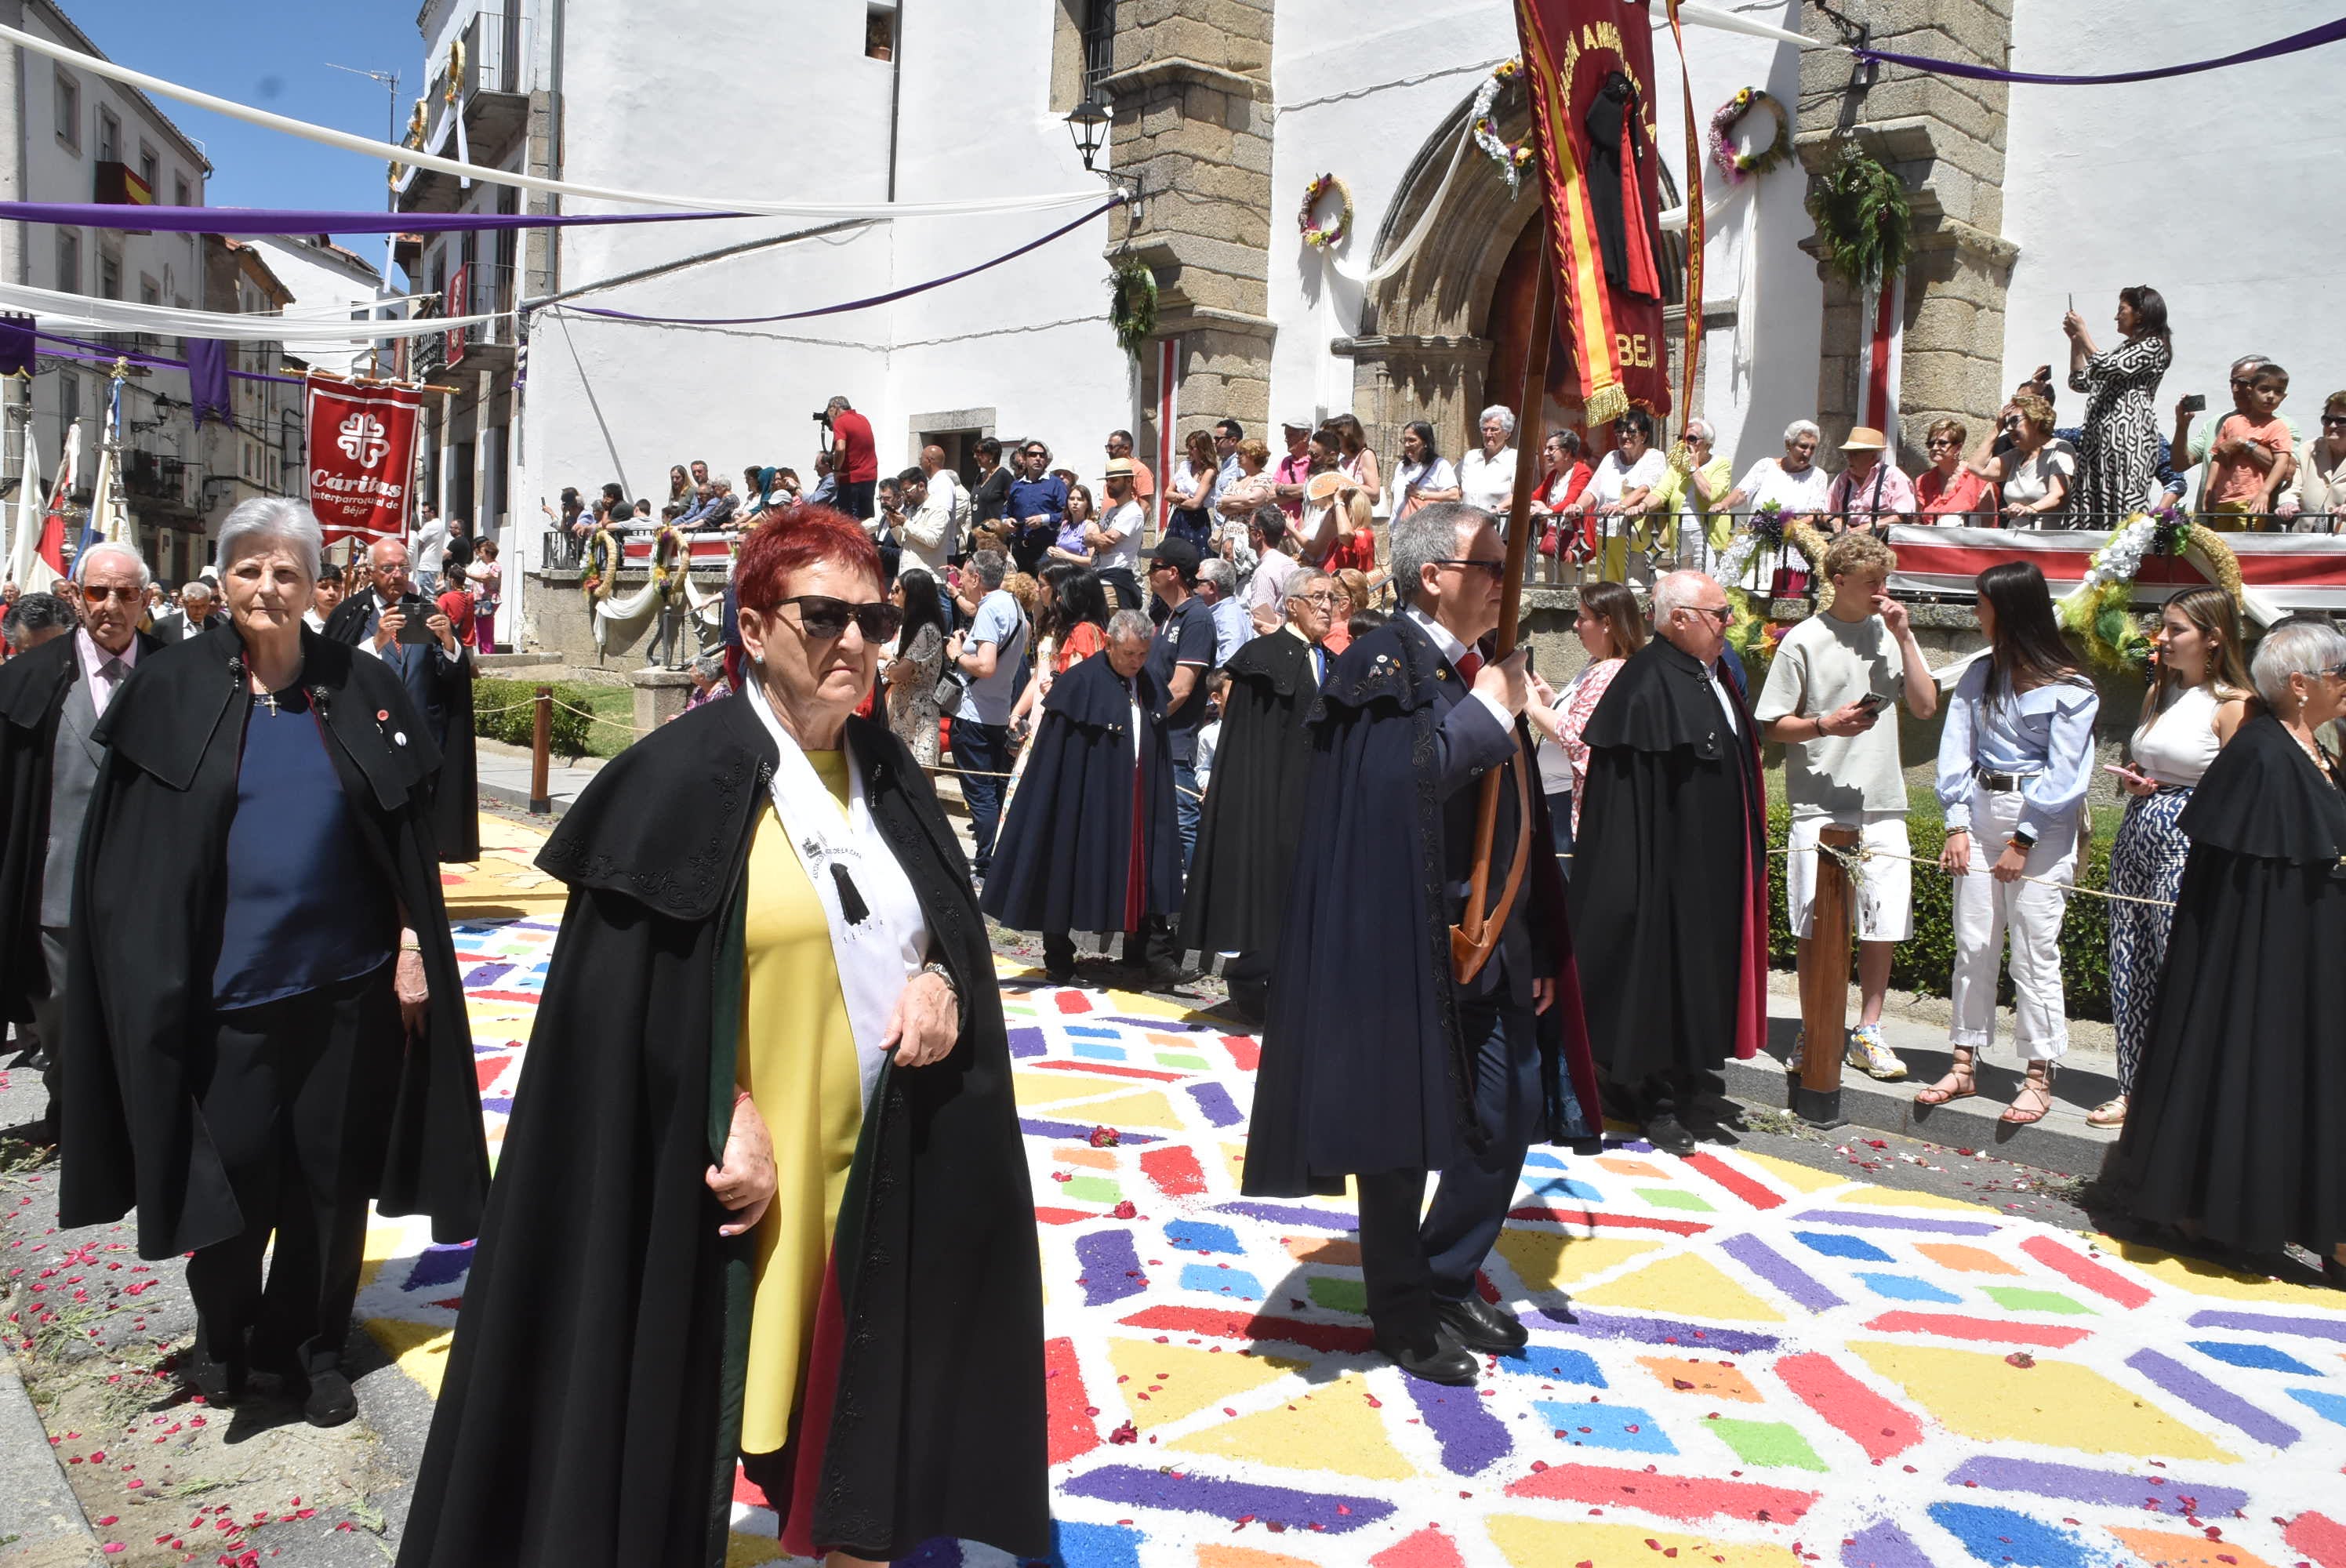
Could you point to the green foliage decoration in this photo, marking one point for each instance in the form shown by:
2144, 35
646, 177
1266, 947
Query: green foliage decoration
1865, 226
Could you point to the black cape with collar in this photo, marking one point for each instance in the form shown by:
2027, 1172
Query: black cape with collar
1063, 859
595, 1383
1253, 811
33, 688
1364, 1068
1669, 871
147, 929
455, 798
2234, 1117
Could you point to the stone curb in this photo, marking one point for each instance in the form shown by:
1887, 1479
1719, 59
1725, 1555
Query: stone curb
41, 1521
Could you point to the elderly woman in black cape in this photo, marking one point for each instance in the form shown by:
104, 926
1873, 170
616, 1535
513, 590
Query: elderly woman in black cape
257, 919
762, 1193
2232, 1132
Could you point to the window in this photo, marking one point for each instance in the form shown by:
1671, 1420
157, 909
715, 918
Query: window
69, 262
148, 294
68, 111
1099, 47
180, 197
68, 405
109, 136
150, 170
879, 33
110, 277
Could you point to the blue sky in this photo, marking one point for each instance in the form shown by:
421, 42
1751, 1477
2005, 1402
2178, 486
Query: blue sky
274, 54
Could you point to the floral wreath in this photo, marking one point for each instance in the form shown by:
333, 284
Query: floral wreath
2100, 610
1132, 304
1512, 157
1750, 630
669, 535
1736, 165
1325, 236
602, 550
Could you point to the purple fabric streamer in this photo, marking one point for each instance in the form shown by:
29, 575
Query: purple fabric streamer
207, 381
264, 221
863, 304
90, 353
15, 345
2311, 38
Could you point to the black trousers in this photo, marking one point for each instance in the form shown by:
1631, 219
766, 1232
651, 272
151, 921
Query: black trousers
1249, 977
296, 1095
1409, 1264
49, 1022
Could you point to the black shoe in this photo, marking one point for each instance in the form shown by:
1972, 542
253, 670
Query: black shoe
219, 1377
330, 1401
2333, 1273
1059, 976
1479, 1326
1434, 1360
1718, 1111
1669, 1135
1163, 979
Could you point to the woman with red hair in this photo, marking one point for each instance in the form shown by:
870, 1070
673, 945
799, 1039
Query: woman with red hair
764, 1153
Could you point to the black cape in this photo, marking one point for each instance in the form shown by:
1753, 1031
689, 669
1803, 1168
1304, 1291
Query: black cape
33, 688
595, 1384
2235, 1115
1669, 872
1617, 101
1364, 1068
1253, 810
1063, 859
455, 798
147, 929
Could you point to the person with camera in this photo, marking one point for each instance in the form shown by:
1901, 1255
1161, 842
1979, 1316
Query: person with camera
411, 635
2033, 472
1833, 677
854, 456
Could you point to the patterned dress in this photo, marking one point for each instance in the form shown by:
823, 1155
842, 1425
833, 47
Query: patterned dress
2146, 862
2119, 450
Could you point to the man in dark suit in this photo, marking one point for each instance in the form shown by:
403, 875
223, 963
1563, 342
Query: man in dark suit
51, 697
1386, 1055
199, 612
438, 679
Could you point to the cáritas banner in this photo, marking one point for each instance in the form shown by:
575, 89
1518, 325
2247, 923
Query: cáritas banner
362, 456
1590, 65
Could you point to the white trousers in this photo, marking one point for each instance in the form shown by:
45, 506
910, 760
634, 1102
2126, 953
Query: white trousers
1988, 912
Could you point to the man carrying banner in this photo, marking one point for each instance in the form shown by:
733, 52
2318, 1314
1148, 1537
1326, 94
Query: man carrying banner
391, 621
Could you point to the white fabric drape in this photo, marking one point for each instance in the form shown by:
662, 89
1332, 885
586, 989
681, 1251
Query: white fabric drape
54, 312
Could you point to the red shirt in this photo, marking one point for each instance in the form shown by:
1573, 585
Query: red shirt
859, 460
1958, 497
457, 606
1294, 469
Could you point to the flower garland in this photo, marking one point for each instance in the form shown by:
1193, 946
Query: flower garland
1512, 158
1132, 304
2100, 610
1325, 236
602, 557
1750, 630
1738, 166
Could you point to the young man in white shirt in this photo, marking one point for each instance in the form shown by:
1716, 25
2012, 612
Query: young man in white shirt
945, 483
928, 532
431, 543
1114, 539
1833, 677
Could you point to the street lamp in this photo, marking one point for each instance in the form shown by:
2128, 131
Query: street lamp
1088, 122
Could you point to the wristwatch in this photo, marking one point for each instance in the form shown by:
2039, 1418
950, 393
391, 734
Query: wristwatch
942, 973
2022, 839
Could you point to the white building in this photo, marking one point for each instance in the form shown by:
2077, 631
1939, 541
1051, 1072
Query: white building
1226, 109
324, 279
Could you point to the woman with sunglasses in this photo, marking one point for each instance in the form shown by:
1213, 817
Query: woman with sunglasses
1949, 494
2316, 500
764, 1153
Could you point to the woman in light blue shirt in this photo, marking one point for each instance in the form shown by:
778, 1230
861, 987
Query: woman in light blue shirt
2013, 763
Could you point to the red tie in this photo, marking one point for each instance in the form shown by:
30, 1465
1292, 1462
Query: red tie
1469, 663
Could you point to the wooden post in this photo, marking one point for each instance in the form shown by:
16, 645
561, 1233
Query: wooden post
541, 747
1824, 985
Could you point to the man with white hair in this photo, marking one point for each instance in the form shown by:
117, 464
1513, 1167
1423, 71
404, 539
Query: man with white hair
51, 698
1218, 586
198, 613
1486, 476
1792, 483
408, 632
1669, 880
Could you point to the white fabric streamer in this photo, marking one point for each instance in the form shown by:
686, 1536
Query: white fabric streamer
54, 312
414, 159
1417, 236
28, 515
1703, 15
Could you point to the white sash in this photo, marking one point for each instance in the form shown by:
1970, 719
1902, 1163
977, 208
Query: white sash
877, 954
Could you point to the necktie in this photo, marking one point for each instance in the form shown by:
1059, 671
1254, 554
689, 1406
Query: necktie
1469, 663
113, 669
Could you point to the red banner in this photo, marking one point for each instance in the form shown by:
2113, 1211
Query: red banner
456, 336
1589, 65
362, 456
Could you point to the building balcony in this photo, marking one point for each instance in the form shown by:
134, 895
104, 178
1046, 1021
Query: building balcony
491, 81
487, 288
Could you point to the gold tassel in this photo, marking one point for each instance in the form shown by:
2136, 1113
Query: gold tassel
1608, 404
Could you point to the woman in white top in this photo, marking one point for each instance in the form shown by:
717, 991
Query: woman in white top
1487, 473
1358, 461
1618, 489
2316, 500
1611, 627
1424, 475
2034, 471
2199, 699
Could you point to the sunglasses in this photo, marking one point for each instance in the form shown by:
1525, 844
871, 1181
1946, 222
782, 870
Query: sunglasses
1722, 614
824, 618
1497, 568
92, 591
2329, 420
1938, 442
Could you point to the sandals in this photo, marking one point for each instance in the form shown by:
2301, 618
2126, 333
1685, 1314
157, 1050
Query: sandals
2042, 1089
2108, 1113
1963, 1074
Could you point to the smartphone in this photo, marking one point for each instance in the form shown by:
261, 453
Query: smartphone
1873, 702
2124, 772
2196, 403
417, 627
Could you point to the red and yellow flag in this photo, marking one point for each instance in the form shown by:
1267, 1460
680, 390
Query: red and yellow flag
1589, 65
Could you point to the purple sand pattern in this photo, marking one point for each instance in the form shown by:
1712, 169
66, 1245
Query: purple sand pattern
2078, 1484
1779, 1271
2221, 1403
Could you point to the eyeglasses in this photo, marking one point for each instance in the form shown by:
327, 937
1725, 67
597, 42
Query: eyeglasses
1322, 598
1937, 442
101, 594
1497, 568
2240, 382
1722, 614
2330, 420
823, 618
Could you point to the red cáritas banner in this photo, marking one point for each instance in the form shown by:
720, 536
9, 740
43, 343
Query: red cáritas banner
361, 457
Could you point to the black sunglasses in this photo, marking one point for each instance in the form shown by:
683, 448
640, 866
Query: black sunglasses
2330, 419
824, 618
1497, 568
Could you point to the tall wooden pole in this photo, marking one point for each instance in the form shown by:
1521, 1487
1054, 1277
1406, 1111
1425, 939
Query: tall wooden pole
1824, 985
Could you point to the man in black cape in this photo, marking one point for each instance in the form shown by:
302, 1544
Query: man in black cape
1379, 1062
438, 679
1669, 871
1090, 841
1253, 814
600, 1355
51, 699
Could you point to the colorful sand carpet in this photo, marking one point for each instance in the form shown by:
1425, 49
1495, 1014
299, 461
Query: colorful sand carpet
1735, 1359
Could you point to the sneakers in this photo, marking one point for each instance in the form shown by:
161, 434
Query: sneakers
1866, 1052
1800, 1044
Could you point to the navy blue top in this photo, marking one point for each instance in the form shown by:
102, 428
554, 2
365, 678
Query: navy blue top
306, 906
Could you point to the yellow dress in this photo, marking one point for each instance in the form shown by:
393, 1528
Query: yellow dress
797, 1062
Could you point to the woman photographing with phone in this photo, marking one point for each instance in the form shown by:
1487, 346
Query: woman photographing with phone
2199, 697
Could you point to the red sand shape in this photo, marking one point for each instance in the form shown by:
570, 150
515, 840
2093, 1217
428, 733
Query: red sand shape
1174, 1169
1952, 1326
1206, 1320
1881, 1429
1734, 1181
2084, 1271
1429, 1548
1244, 1050
1671, 1496
2320, 1537
1073, 1431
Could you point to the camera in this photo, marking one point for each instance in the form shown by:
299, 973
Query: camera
822, 416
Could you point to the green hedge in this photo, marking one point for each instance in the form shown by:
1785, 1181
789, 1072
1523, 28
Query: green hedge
516, 725
1926, 964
